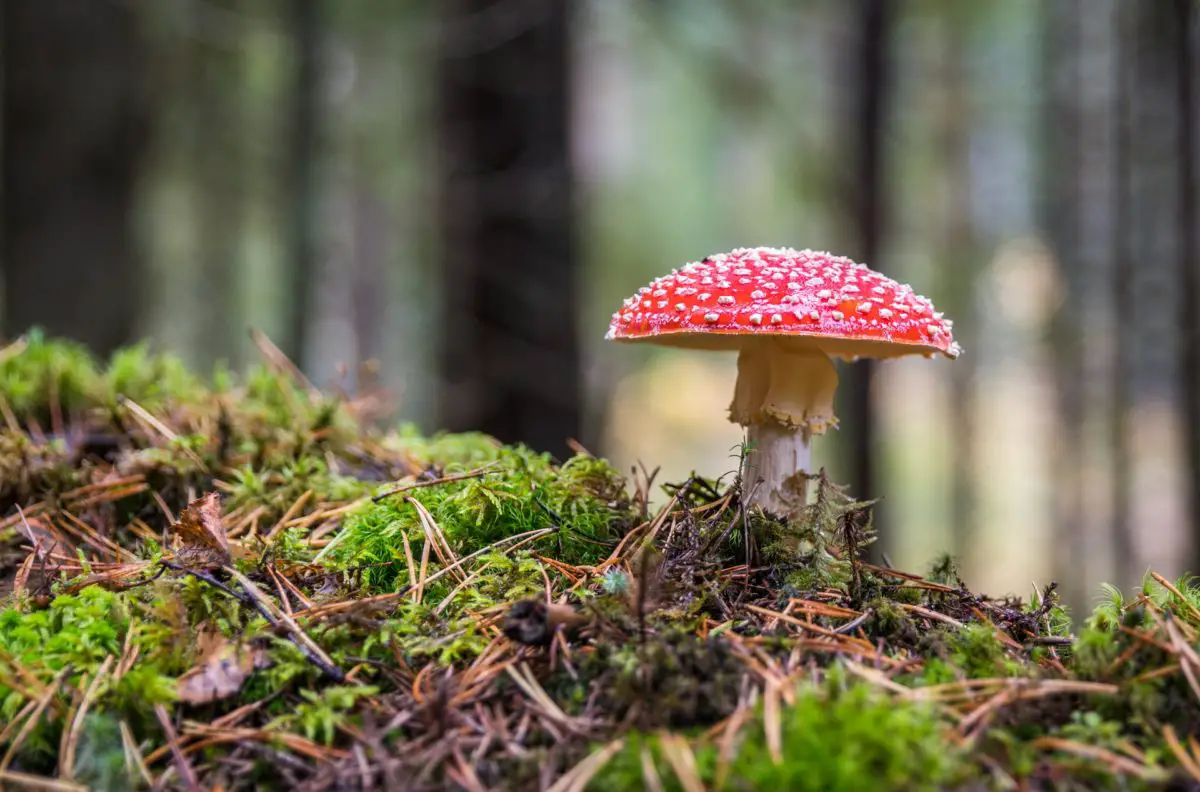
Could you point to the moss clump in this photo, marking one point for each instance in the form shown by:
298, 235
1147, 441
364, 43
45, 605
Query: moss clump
890, 621
834, 738
69, 642
674, 679
156, 381
461, 450
518, 491
49, 375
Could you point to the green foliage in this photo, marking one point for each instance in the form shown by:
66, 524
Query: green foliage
272, 490
1056, 620
462, 450
29, 469
835, 738
74, 636
48, 370
319, 714
284, 418
1110, 611
890, 621
422, 634
825, 539
100, 758
78, 630
153, 380
519, 491
975, 651
944, 570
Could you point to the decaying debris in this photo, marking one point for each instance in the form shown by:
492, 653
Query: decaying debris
223, 666
203, 543
535, 622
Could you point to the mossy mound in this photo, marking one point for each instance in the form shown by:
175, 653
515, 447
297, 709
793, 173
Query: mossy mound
367, 607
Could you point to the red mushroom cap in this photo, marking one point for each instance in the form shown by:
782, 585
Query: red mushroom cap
812, 298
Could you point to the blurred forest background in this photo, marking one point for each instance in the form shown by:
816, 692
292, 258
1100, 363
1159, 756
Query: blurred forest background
450, 197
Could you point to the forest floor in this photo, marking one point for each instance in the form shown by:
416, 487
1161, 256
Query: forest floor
236, 583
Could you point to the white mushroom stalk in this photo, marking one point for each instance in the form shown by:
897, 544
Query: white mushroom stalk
783, 397
786, 313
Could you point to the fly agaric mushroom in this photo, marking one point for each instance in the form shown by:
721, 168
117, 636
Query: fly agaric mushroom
787, 313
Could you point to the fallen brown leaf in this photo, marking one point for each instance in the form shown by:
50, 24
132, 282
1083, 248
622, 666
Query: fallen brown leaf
204, 543
223, 668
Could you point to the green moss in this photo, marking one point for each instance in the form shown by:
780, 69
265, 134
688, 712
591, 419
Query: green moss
274, 490
835, 738
77, 630
944, 570
462, 450
891, 622
74, 636
153, 380
521, 491
1095, 650
319, 715
674, 679
49, 371
100, 759
977, 652
30, 470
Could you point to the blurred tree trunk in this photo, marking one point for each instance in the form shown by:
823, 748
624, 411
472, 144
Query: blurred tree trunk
872, 87
958, 270
304, 22
74, 127
510, 362
1186, 63
1079, 208
218, 153
1123, 541
1148, 299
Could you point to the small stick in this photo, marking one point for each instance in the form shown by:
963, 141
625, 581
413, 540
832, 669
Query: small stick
28, 781
850, 625
298, 636
292, 511
419, 593
276, 357
72, 740
272, 614
133, 755
181, 762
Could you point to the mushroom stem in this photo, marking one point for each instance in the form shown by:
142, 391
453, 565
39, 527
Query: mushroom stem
775, 457
784, 395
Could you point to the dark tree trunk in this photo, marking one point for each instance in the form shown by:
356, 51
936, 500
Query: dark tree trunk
1123, 540
1149, 248
510, 362
959, 274
1189, 265
304, 18
867, 209
219, 155
1079, 189
73, 135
